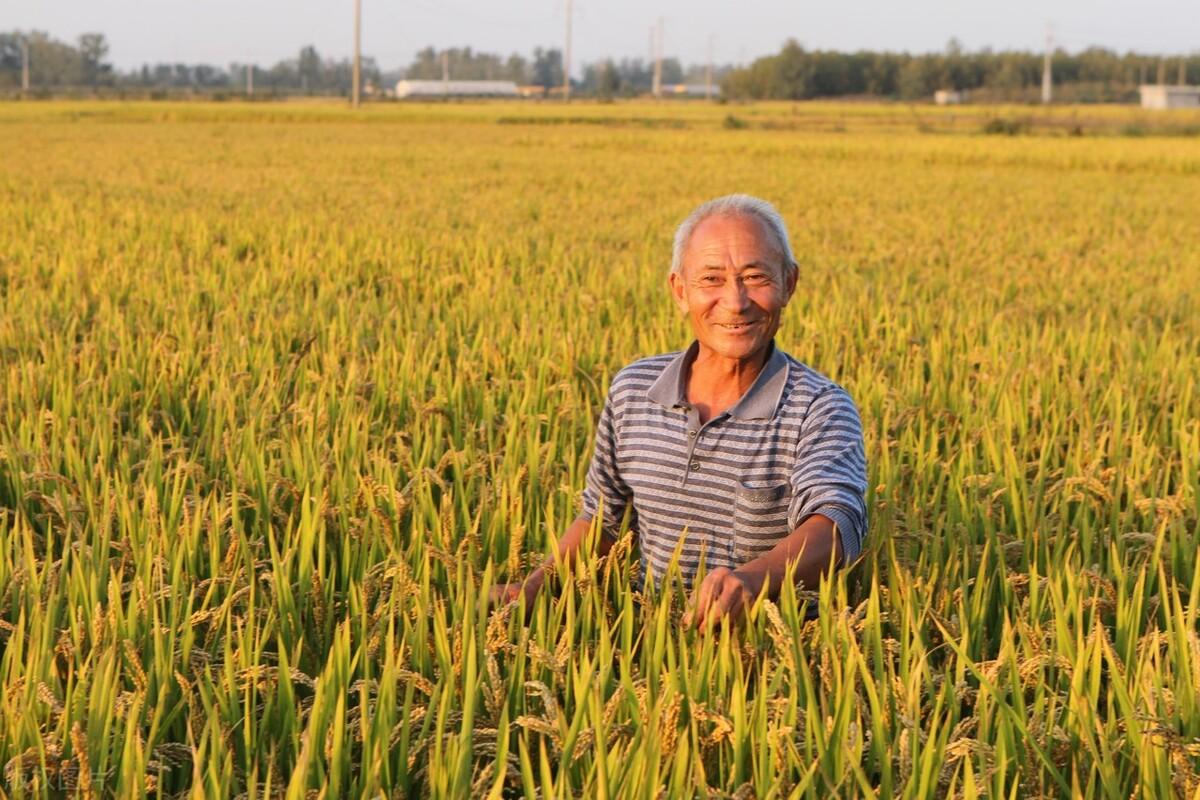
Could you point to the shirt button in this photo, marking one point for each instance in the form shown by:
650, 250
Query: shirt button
695, 465
691, 434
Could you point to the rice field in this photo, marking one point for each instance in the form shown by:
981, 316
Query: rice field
284, 390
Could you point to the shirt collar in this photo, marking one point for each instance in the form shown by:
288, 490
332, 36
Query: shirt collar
760, 401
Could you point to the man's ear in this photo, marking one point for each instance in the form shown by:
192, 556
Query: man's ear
678, 291
791, 275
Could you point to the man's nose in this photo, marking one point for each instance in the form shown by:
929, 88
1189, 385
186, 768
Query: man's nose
735, 297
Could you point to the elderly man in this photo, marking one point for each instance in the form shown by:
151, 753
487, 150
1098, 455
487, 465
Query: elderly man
752, 458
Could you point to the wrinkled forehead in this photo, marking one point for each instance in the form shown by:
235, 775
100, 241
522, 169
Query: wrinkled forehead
741, 237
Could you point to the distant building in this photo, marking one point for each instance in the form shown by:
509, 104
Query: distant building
456, 89
537, 90
690, 89
949, 97
1161, 96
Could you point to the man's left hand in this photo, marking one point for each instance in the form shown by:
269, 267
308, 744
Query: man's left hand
722, 592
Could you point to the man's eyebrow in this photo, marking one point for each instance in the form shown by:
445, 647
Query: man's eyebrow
748, 265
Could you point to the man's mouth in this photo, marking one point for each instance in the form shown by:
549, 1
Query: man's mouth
734, 327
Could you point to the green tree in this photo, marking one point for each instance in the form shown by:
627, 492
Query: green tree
309, 69
516, 69
547, 67
603, 79
10, 59
466, 64
92, 50
917, 79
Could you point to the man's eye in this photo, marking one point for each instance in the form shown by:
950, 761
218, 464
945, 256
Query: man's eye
710, 279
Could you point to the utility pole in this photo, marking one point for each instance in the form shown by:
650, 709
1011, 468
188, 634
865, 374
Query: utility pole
24, 65
1162, 72
1182, 71
567, 58
708, 73
1047, 78
446, 73
357, 79
658, 48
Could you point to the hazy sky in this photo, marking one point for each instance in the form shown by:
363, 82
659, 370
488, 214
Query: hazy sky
265, 31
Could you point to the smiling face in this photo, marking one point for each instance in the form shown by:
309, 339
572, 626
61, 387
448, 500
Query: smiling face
733, 286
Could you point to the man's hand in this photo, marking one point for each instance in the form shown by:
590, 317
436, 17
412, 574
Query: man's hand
503, 594
811, 549
723, 592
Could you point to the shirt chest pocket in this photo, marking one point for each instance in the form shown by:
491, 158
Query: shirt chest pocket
760, 518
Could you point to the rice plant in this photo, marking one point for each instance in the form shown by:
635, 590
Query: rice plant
286, 390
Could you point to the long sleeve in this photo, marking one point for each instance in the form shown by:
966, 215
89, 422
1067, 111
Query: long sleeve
604, 485
830, 473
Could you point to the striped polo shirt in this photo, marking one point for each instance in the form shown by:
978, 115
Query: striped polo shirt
733, 487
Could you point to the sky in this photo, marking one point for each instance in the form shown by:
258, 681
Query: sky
266, 31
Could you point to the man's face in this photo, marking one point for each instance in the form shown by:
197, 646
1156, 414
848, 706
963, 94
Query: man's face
733, 286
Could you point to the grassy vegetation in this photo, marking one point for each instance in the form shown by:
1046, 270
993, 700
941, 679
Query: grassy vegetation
1091, 120
284, 390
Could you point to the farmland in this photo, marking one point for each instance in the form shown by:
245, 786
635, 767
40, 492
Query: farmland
285, 389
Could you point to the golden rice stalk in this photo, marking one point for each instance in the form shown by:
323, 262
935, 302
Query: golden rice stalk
46, 695
541, 726
497, 631
744, 792
79, 745
318, 600
781, 636
135, 663
19, 767
548, 701
420, 681
668, 722
126, 701
492, 688
722, 726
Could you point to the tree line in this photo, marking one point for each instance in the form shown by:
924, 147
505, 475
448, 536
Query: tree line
58, 65
608, 77
54, 63
795, 73
1093, 75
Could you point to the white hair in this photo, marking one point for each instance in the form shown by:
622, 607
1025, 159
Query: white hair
735, 205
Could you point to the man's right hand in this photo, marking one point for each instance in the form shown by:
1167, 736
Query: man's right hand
503, 594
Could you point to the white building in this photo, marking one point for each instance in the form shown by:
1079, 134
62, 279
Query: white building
456, 89
949, 97
1162, 96
690, 89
